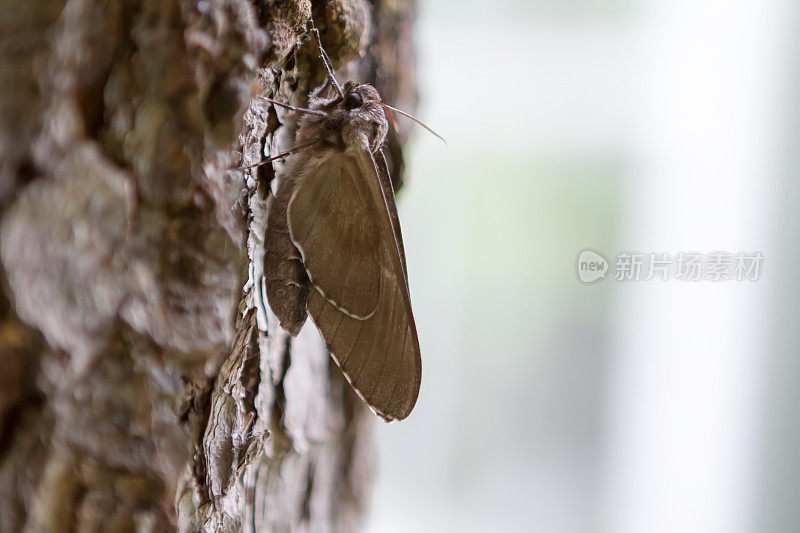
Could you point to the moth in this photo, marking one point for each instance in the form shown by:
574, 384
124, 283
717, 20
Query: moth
334, 249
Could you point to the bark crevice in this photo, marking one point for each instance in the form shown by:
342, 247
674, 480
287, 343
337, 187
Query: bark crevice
146, 385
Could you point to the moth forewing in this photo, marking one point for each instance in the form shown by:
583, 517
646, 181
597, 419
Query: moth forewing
331, 222
383, 194
379, 353
382, 167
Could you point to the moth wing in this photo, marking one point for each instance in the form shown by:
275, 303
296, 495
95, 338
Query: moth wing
330, 220
382, 165
378, 354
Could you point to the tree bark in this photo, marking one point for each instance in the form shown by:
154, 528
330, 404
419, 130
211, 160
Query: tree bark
145, 384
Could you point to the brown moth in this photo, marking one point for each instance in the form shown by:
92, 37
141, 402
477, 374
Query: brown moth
334, 248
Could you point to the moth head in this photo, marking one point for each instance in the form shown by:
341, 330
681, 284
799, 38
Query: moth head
353, 119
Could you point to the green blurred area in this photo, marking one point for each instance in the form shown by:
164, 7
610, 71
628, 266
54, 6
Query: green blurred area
548, 111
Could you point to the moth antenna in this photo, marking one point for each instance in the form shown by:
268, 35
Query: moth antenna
392, 120
407, 115
326, 61
293, 108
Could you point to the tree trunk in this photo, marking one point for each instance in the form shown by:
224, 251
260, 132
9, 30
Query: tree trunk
145, 383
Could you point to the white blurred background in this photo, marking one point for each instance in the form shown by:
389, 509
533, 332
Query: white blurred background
550, 405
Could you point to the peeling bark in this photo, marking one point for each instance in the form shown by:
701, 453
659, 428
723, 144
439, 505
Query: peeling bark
146, 386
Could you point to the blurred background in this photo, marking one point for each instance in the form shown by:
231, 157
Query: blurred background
551, 405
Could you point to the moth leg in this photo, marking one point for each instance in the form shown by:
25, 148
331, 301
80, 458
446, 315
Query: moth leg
293, 108
282, 155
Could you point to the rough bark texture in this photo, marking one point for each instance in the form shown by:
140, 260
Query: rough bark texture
145, 384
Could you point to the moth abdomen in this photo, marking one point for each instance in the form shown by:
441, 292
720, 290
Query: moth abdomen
286, 277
